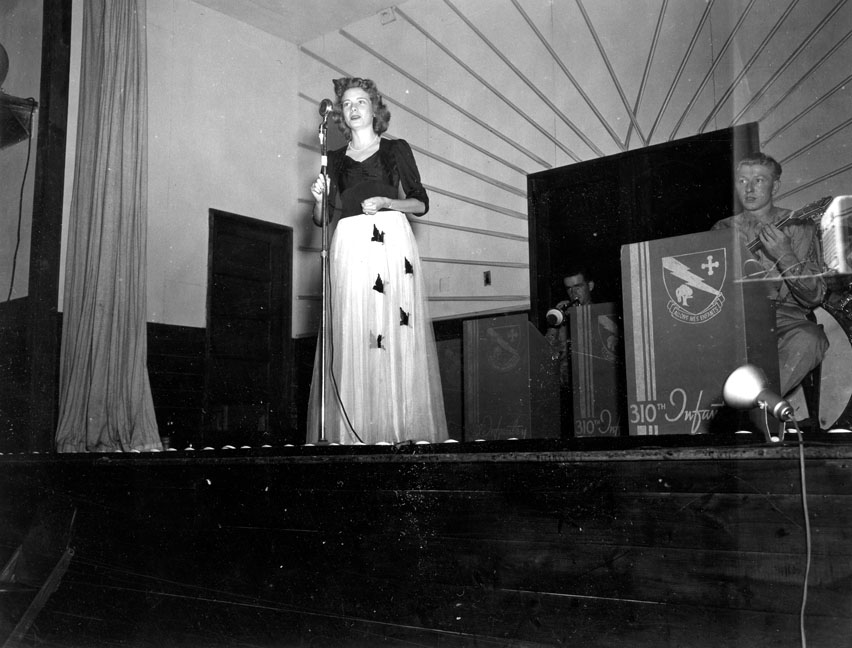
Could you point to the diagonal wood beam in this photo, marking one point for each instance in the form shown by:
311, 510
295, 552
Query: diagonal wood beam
692, 43
541, 95
483, 81
817, 142
567, 73
817, 181
805, 77
612, 73
423, 118
757, 96
511, 213
477, 262
840, 86
461, 168
645, 74
452, 104
712, 69
747, 67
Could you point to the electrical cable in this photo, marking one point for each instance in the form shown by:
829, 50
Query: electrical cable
806, 515
21, 204
330, 362
808, 548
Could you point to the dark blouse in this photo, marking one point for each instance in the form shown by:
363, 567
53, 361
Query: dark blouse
384, 173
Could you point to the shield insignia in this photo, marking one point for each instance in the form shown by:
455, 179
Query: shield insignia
503, 353
609, 336
694, 284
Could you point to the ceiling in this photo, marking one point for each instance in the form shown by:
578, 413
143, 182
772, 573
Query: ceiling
590, 78
298, 21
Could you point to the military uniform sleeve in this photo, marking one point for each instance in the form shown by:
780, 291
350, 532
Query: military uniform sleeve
801, 270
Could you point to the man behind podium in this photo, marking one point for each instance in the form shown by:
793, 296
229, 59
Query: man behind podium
788, 259
578, 289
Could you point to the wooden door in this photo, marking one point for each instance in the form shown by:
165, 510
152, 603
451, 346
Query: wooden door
249, 287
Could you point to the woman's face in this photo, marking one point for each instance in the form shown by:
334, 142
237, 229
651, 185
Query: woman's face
357, 109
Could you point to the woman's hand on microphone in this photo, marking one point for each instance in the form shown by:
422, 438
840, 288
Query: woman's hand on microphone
318, 188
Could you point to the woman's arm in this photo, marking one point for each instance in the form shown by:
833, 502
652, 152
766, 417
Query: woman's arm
317, 190
405, 205
409, 178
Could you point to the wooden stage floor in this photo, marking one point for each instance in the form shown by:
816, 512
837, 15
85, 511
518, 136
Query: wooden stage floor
598, 542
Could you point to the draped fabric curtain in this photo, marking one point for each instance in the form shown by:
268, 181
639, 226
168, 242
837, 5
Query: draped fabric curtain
105, 396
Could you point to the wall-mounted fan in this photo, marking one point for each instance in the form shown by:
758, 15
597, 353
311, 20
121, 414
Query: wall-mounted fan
16, 114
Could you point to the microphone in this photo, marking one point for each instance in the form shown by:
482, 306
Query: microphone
325, 107
557, 316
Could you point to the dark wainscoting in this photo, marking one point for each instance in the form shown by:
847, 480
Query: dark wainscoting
449, 335
496, 544
304, 351
176, 374
14, 376
175, 369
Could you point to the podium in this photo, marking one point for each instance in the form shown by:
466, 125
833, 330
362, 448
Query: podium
691, 317
511, 383
597, 370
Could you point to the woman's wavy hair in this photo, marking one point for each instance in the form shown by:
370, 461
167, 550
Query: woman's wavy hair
381, 114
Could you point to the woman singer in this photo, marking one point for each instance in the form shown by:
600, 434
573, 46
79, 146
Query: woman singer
382, 383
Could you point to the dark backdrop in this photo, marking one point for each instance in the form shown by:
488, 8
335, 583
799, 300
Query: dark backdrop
585, 212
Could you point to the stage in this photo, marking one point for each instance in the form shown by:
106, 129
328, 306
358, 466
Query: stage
634, 541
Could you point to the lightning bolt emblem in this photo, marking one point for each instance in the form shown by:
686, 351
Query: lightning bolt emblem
682, 272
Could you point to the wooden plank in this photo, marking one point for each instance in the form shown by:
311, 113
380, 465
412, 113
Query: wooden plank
767, 582
479, 549
296, 604
228, 508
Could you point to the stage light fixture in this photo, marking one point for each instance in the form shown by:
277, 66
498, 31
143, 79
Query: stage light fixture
16, 114
747, 388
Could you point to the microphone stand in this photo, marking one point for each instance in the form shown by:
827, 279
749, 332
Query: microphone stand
325, 284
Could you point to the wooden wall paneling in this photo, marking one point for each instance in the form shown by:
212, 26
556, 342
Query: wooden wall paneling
14, 376
176, 374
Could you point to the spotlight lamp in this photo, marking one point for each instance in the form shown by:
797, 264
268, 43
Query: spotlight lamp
747, 388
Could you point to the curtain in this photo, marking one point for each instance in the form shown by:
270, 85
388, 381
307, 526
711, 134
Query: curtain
105, 396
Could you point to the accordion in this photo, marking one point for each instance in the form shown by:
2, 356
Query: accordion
836, 236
